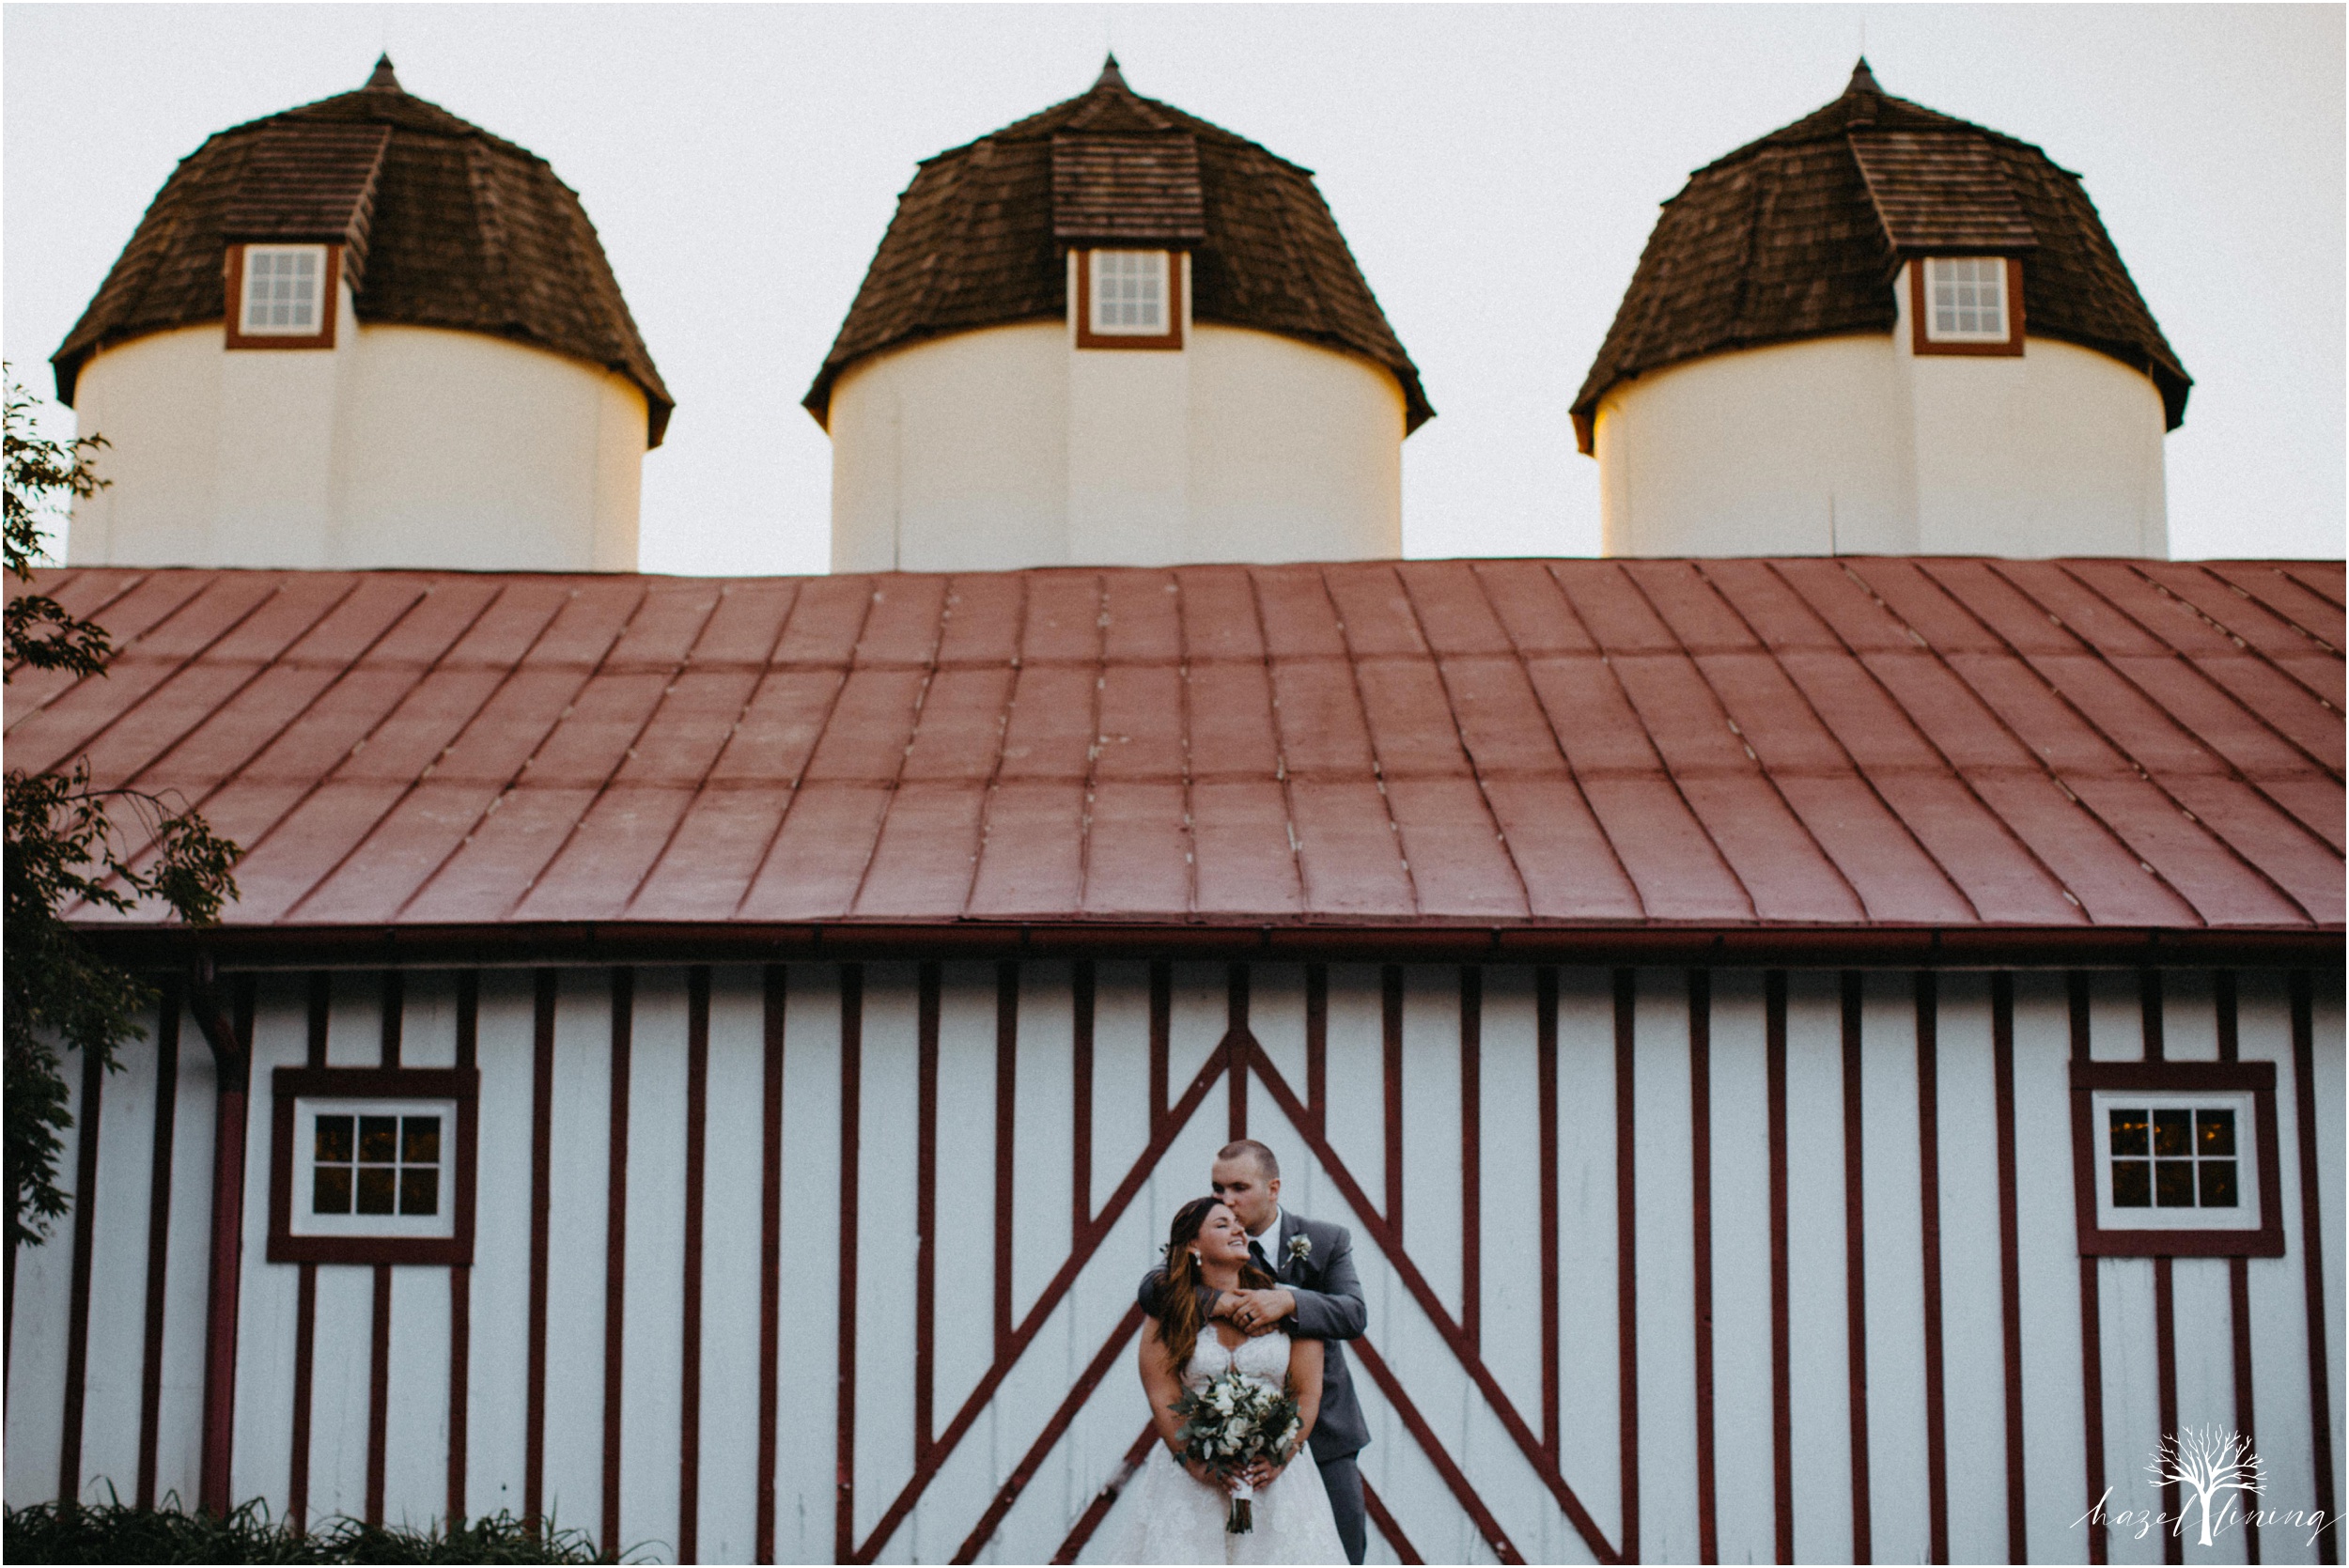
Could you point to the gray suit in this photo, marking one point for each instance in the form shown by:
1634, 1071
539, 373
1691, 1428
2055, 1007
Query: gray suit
1320, 1275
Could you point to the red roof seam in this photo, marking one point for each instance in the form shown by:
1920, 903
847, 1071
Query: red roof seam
425, 882
1697, 667
1003, 735
1280, 745
897, 784
1866, 780
750, 694
64, 582
1573, 776
274, 736
2180, 657
1182, 701
327, 775
1663, 764
2249, 588
676, 668
2235, 638
1362, 710
2251, 646
2015, 654
2316, 588
831, 703
82, 746
2225, 843
1492, 817
1924, 735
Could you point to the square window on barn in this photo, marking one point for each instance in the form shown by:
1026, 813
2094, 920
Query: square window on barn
282, 296
1129, 299
372, 1166
1967, 305
2176, 1158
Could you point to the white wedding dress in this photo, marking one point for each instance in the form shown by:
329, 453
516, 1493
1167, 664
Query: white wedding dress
1167, 1516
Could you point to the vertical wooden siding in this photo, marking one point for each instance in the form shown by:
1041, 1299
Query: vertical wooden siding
975, 1086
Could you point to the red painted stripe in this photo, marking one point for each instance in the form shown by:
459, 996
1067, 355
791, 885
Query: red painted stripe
2166, 1362
1855, 1268
2304, 1114
1041, 1449
844, 1397
1059, 1286
158, 1235
1471, 1143
615, 1249
1396, 1541
1421, 1293
1161, 1038
2010, 1260
1546, 1112
541, 1192
379, 1390
688, 1480
925, 1220
2224, 1000
88, 1116
1463, 1493
1781, 1326
1317, 1045
379, 1356
1006, 1120
771, 1257
1390, 1058
232, 1057
1236, 1043
321, 1002
1080, 1098
2092, 1312
1929, 1185
1098, 1509
461, 1280
1701, 1183
1627, 1261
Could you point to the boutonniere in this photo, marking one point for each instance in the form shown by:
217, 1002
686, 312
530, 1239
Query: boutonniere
1300, 1249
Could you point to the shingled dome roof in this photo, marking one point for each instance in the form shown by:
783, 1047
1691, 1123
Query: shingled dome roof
980, 235
443, 225
1800, 235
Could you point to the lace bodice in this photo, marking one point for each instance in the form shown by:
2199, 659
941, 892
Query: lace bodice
1263, 1359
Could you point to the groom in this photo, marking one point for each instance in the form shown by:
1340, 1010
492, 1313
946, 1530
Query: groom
1316, 1288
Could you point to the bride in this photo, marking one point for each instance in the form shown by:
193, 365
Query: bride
1175, 1511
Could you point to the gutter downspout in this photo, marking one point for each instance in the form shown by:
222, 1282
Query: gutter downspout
232, 1058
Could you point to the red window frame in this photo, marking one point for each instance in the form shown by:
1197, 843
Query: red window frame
1088, 339
2265, 1240
287, 1084
330, 302
1920, 342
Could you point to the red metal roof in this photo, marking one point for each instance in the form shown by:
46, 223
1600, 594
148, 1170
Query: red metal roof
1859, 742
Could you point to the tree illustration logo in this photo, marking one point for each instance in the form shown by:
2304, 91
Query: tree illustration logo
2211, 1460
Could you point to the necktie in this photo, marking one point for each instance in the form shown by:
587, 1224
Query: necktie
1255, 1254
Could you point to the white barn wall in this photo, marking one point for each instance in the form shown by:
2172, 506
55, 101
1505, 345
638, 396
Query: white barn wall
1068, 1334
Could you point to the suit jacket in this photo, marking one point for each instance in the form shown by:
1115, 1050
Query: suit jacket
1329, 1308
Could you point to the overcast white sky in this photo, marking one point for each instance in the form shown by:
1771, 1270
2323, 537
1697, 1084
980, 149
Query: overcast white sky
1496, 169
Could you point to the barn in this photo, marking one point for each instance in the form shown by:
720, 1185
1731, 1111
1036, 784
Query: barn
1824, 1057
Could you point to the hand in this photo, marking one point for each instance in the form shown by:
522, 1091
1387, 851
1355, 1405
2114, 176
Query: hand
1256, 1312
1259, 1473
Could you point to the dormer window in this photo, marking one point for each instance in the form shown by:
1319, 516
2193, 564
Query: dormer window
1967, 305
1129, 299
282, 296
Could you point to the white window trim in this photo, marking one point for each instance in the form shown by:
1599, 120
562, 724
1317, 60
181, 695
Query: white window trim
1159, 268
322, 305
1934, 333
302, 1222
2245, 1216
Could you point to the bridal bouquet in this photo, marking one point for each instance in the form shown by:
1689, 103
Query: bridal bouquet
1230, 1423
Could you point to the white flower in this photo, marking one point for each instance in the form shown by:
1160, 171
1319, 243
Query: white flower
1301, 1248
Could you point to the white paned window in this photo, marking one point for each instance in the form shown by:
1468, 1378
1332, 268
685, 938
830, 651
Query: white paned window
1966, 299
284, 291
1129, 294
2175, 1161
374, 1168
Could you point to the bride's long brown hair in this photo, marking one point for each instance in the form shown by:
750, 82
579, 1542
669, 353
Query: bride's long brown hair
1179, 1320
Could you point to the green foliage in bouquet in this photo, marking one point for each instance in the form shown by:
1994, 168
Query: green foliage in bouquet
1228, 1425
